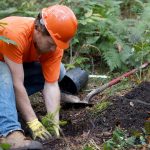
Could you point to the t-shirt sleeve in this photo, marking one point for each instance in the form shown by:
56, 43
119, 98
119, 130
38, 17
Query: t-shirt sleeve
13, 52
51, 65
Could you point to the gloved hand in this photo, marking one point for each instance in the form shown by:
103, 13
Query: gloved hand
38, 131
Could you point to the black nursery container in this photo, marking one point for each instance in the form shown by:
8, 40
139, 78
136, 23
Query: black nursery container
74, 80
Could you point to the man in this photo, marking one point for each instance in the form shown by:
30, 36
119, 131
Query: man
41, 40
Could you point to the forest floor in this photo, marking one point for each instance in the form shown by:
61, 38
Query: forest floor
127, 108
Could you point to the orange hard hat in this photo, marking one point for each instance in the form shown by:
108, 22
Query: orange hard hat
61, 23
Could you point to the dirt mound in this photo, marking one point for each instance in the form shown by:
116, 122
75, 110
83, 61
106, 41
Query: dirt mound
130, 111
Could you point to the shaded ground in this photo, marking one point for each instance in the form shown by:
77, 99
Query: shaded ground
129, 111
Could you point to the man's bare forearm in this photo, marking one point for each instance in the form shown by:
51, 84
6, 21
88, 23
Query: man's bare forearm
51, 94
23, 103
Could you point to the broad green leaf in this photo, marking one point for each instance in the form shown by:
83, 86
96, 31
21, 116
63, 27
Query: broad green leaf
5, 146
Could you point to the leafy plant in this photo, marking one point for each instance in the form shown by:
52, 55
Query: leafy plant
98, 108
114, 40
5, 146
119, 141
49, 123
23, 8
132, 8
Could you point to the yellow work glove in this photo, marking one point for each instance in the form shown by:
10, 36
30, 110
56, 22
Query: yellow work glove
38, 131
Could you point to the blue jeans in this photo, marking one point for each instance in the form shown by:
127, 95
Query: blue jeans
33, 81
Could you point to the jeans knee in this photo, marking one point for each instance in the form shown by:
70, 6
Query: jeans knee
62, 72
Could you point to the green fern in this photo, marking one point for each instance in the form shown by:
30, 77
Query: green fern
112, 58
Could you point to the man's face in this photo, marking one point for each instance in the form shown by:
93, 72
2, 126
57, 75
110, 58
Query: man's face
43, 43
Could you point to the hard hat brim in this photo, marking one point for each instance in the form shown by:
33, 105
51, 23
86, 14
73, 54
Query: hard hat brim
60, 44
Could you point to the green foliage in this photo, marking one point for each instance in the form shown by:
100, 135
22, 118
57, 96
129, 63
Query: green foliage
119, 141
22, 7
132, 8
98, 108
5, 146
119, 42
49, 123
79, 61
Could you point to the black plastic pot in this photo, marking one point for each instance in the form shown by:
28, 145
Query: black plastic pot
74, 80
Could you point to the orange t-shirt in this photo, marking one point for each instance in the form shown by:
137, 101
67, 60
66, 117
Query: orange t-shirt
20, 30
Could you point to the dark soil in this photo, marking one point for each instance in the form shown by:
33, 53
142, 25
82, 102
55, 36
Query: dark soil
129, 112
